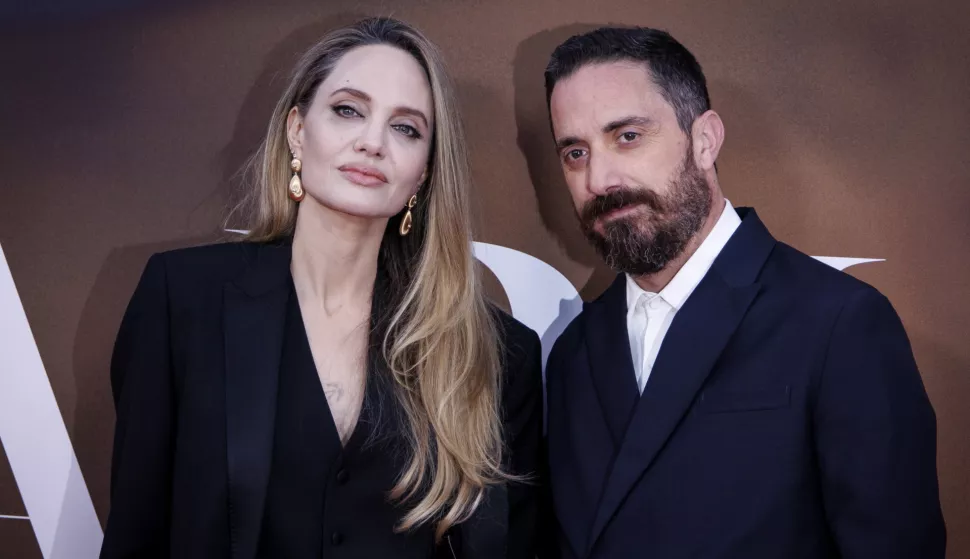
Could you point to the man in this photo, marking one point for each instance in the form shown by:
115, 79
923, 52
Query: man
727, 396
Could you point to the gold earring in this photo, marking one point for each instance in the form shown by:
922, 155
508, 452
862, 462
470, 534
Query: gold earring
296, 185
406, 221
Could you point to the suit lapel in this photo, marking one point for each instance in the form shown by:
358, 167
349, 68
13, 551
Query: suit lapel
611, 364
254, 319
698, 335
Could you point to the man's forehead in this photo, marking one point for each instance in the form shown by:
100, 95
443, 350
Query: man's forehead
631, 71
597, 94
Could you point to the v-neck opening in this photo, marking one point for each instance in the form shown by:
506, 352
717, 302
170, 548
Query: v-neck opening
305, 356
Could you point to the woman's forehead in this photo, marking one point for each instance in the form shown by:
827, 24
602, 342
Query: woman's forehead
388, 75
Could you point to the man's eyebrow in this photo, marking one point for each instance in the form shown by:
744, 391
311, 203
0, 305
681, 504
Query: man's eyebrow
627, 121
567, 141
609, 127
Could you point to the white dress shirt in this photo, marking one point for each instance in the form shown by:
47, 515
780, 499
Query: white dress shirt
649, 315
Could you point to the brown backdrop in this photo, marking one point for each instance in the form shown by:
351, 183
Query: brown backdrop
847, 127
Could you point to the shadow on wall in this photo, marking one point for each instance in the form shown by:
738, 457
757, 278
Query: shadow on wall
758, 164
93, 343
115, 282
258, 105
535, 141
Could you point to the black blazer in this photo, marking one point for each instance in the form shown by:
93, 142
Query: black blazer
784, 418
194, 375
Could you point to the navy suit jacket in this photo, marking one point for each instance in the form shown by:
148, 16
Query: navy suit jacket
784, 418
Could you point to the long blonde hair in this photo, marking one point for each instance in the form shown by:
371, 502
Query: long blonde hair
431, 331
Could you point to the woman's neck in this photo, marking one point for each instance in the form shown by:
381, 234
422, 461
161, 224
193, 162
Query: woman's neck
334, 261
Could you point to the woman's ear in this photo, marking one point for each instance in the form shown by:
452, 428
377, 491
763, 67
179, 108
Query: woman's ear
294, 131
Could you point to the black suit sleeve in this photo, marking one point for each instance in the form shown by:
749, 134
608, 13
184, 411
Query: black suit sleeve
141, 381
876, 439
523, 422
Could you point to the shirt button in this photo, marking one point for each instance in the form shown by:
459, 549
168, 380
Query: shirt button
337, 538
342, 477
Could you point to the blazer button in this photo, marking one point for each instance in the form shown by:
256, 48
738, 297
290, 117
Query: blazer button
342, 477
337, 538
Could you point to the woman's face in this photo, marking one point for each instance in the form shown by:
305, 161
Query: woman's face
365, 139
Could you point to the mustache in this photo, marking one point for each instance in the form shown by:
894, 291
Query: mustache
616, 199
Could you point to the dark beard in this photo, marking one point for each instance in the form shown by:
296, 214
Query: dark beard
644, 244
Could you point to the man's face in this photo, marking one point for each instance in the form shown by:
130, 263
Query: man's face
631, 172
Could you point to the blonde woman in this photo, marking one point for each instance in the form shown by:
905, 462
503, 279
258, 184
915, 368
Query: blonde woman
337, 385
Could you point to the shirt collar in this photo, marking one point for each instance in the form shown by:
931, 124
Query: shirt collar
693, 271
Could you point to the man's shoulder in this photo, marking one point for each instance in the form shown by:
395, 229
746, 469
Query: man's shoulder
571, 338
790, 269
602, 307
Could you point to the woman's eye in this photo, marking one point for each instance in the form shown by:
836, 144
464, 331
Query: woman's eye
407, 130
346, 111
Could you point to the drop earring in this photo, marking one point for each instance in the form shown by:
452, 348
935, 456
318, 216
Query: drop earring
407, 220
295, 189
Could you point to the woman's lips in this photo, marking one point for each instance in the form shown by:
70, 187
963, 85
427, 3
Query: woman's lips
364, 176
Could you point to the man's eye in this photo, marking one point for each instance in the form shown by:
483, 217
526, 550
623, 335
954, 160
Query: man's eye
574, 154
629, 136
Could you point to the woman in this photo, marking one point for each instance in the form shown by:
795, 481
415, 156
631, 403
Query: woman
336, 386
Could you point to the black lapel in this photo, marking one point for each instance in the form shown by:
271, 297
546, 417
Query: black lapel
254, 315
698, 335
611, 364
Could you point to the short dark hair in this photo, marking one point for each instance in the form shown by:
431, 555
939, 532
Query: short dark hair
672, 67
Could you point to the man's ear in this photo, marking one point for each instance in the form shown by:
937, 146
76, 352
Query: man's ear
708, 136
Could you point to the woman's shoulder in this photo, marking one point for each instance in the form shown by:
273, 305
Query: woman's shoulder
214, 263
520, 345
512, 333
521, 380
203, 255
